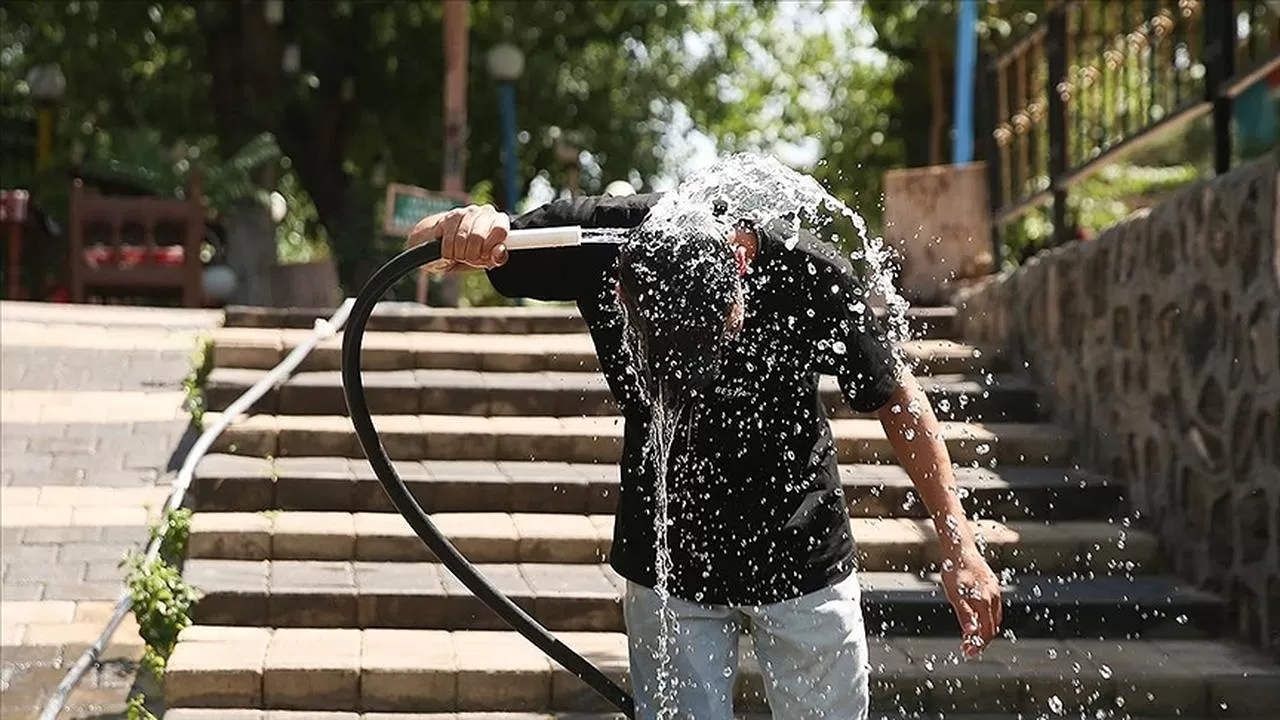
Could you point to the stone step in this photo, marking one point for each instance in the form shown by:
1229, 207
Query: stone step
892, 545
471, 392
925, 322
596, 439
249, 484
400, 670
293, 593
262, 349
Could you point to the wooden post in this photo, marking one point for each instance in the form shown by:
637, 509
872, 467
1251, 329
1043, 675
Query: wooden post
456, 36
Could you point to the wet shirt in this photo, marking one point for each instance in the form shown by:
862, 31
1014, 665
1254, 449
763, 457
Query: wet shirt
757, 513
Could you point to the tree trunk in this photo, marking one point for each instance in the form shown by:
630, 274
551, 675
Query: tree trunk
251, 252
939, 114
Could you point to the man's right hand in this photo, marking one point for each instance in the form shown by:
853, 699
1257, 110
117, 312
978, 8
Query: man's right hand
474, 236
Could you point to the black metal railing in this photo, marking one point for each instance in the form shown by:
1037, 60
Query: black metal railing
1097, 79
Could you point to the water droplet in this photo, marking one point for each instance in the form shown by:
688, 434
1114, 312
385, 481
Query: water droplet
983, 449
1052, 653
1055, 705
839, 348
1105, 672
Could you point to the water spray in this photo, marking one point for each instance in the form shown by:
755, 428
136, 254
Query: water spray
407, 505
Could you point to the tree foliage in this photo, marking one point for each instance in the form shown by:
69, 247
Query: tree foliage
605, 77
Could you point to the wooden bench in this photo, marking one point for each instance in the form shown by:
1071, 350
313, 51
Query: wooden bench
134, 246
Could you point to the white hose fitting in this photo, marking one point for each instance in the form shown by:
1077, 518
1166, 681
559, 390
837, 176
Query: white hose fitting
549, 237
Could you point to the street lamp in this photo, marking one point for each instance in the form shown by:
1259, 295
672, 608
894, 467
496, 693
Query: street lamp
506, 64
47, 85
619, 188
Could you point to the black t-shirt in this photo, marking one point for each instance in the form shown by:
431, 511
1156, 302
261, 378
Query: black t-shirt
757, 513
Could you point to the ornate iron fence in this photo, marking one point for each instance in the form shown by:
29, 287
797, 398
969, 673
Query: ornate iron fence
1097, 79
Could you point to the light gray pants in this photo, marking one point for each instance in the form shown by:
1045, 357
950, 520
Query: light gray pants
812, 652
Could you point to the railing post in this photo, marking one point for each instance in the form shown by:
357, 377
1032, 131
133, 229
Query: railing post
1056, 52
987, 124
1220, 60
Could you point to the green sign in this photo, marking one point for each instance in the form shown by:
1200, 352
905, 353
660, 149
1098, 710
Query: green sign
407, 205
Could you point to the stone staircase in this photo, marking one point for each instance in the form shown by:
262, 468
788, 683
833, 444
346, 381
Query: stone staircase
317, 596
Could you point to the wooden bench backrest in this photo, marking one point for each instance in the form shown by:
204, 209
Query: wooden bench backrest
119, 215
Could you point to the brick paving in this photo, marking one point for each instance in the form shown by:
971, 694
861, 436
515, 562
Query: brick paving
91, 432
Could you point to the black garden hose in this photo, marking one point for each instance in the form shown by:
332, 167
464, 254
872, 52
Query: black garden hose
358, 406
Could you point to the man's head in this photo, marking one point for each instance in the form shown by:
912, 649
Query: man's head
680, 285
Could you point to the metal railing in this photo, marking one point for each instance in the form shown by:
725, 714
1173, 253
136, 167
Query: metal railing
1097, 79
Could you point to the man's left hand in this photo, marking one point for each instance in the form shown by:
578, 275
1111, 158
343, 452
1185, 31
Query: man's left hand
974, 592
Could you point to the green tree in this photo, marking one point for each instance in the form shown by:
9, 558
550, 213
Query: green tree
608, 76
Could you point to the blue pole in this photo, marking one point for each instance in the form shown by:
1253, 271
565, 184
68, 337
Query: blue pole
966, 60
507, 97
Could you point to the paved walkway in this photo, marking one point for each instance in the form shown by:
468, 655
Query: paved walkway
91, 433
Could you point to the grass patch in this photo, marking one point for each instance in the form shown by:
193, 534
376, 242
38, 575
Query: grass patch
161, 598
193, 384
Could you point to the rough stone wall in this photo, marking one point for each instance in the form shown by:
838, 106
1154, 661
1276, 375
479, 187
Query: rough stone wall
1158, 342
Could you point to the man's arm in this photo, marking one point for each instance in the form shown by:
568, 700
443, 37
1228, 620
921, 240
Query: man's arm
571, 273
852, 345
971, 586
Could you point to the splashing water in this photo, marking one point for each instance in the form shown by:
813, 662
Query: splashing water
662, 431
763, 190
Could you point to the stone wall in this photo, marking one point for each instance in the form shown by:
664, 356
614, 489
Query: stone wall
1158, 342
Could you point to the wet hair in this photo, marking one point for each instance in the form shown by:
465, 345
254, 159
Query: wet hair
678, 284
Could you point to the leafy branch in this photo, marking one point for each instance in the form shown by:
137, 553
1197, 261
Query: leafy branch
161, 598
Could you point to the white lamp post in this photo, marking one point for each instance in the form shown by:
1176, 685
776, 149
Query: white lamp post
506, 64
47, 84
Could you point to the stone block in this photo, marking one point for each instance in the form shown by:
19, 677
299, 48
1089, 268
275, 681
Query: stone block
312, 483
232, 592
252, 435
313, 536
400, 595
312, 669
387, 537
230, 536
233, 494
530, 439
594, 440
465, 487
407, 671
458, 437
314, 594
461, 609
521, 394
451, 392
500, 672
481, 537
555, 538
574, 597
326, 435
608, 652
217, 667
891, 545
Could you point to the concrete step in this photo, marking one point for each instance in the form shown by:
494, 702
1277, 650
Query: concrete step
596, 439
262, 349
390, 670
893, 545
925, 322
470, 392
249, 484
583, 597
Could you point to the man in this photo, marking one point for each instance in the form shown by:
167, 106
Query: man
734, 329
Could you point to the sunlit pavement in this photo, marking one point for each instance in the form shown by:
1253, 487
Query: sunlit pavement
91, 415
